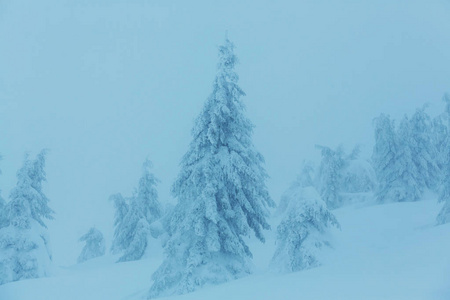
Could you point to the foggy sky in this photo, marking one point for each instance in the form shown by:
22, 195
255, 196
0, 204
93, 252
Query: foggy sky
106, 84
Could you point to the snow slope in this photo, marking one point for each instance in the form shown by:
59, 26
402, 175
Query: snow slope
390, 251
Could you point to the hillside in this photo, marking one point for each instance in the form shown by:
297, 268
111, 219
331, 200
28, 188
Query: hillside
390, 251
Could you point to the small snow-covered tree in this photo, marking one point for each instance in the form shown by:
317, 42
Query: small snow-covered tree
134, 217
147, 195
221, 193
24, 243
303, 232
329, 177
424, 153
94, 247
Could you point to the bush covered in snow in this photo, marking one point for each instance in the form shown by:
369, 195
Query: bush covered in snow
94, 247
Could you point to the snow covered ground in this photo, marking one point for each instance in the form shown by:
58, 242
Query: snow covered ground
390, 251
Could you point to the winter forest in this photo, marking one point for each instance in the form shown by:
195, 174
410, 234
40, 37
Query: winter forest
145, 156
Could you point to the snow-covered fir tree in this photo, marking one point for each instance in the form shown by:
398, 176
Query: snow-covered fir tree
134, 217
94, 247
392, 160
24, 243
221, 193
303, 232
424, 153
329, 178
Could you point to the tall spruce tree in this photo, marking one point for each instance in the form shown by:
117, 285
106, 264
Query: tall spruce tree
24, 243
221, 193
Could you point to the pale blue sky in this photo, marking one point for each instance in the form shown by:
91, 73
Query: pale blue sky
104, 84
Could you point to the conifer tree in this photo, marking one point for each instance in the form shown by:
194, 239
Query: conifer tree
384, 156
94, 247
424, 153
439, 138
409, 180
330, 176
134, 217
121, 210
440, 132
147, 195
221, 193
392, 158
384, 153
303, 231
24, 243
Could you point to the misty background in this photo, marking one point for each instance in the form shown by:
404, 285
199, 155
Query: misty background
106, 84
